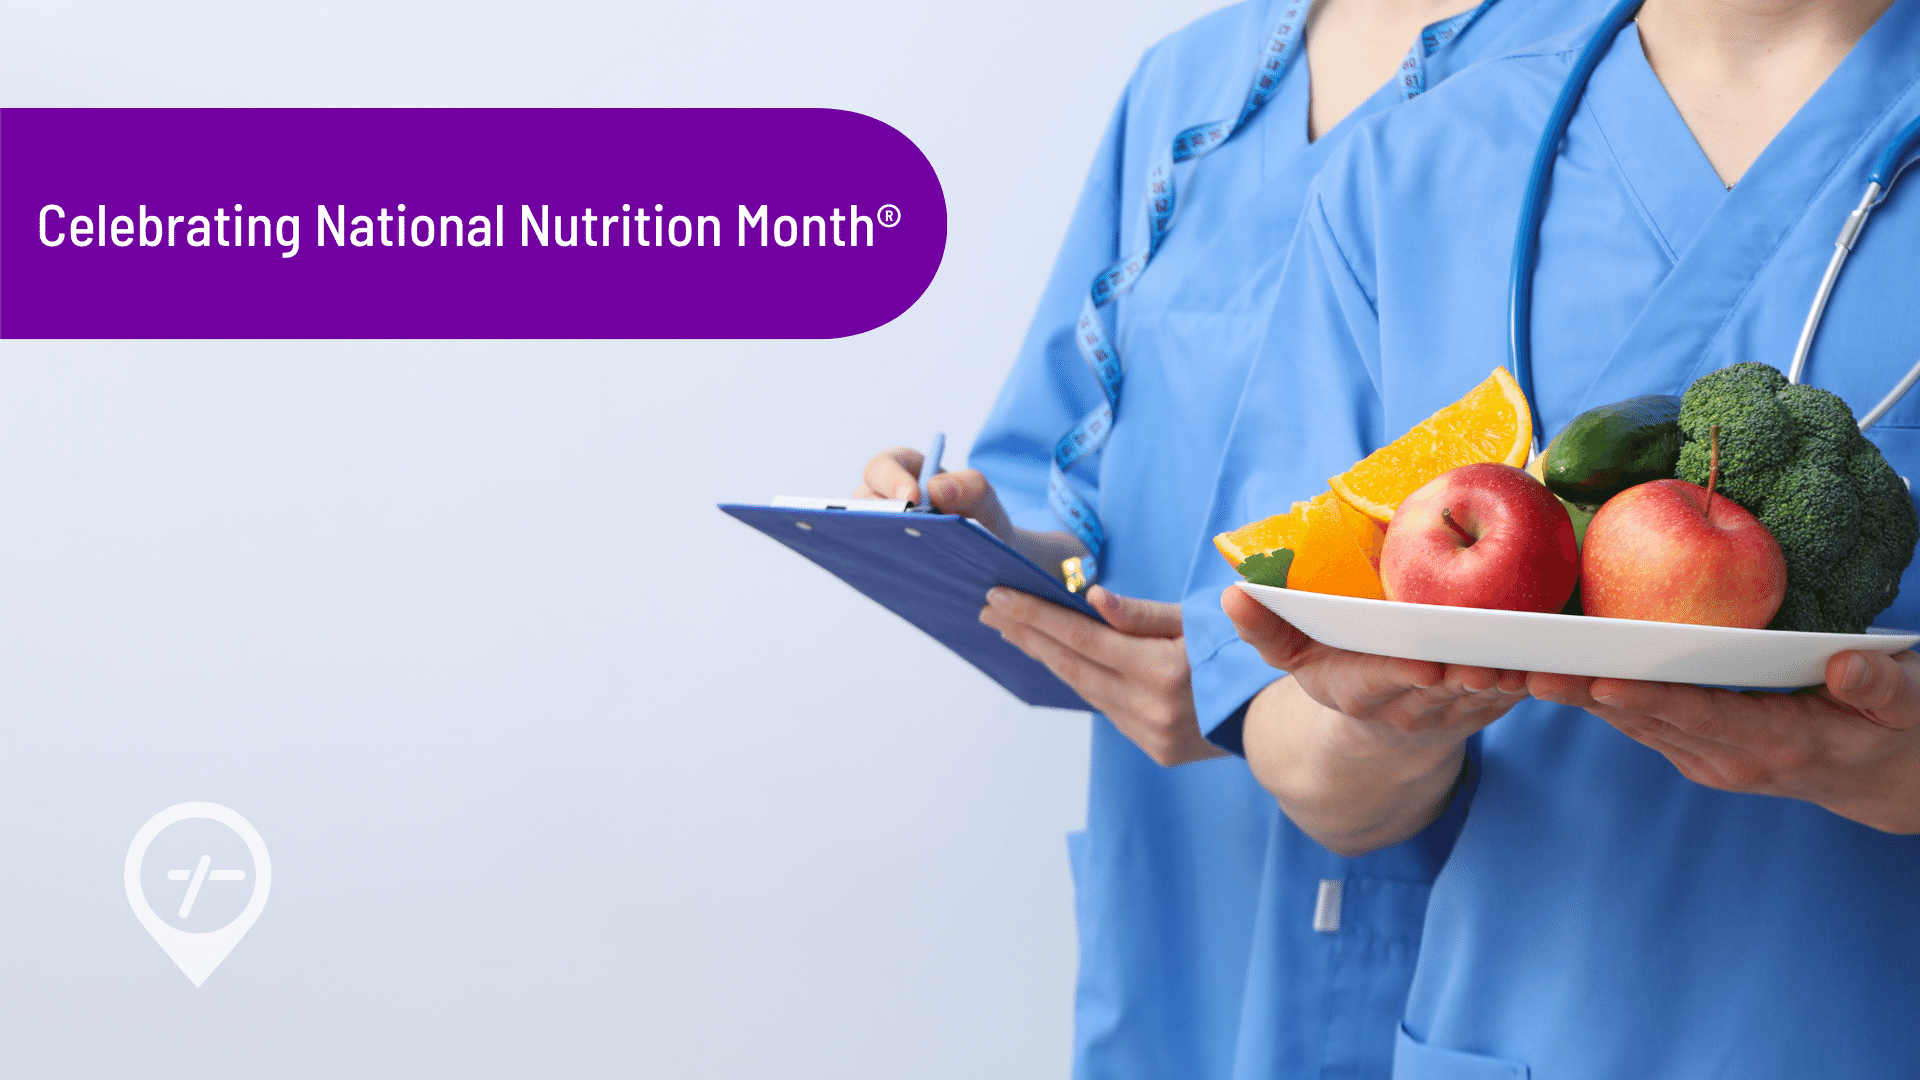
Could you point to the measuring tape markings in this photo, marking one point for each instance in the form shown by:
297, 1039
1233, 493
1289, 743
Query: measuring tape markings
1097, 349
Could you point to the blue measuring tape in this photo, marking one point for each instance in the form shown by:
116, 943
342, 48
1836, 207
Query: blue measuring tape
1096, 347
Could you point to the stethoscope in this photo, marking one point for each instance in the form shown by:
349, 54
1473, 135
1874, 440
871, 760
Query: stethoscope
1533, 207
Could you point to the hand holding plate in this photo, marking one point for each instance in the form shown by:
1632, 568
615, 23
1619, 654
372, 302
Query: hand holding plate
1361, 751
1851, 746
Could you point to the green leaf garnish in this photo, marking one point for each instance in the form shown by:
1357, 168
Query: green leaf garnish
1269, 568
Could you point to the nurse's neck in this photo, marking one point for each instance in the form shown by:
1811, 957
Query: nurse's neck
1355, 46
1738, 70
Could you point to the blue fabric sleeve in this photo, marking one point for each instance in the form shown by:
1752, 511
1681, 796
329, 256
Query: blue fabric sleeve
1309, 409
1050, 387
1234, 673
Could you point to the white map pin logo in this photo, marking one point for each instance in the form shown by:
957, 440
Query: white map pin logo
198, 954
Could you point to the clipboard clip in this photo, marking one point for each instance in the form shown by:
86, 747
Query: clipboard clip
1073, 575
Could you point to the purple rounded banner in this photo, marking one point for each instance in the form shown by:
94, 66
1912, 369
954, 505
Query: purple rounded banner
460, 223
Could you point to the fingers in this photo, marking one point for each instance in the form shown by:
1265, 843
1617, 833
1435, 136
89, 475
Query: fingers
1139, 682
1103, 644
1100, 685
1130, 615
1346, 682
1689, 724
1698, 761
1673, 701
1414, 705
1631, 708
1697, 715
1471, 680
970, 494
1574, 690
1150, 701
892, 474
1278, 643
1883, 689
1766, 750
1845, 745
1283, 646
1463, 691
1480, 680
1754, 742
966, 493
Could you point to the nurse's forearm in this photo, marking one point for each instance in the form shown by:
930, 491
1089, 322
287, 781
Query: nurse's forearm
1355, 787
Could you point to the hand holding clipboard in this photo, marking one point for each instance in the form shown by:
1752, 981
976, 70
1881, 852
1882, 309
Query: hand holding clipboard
931, 569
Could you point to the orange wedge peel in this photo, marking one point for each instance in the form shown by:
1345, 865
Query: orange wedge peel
1328, 556
1334, 540
1491, 423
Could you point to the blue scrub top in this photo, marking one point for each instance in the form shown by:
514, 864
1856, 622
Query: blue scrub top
1600, 916
1195, 898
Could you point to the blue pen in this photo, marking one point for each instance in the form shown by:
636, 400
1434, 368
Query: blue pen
928, 470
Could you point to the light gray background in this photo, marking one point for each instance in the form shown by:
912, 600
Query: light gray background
563, 773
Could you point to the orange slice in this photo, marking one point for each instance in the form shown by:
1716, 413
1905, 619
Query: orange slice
1491, 423
1264, 536
1368, 533
1327, 557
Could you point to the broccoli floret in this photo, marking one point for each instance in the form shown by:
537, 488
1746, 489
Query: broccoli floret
1829, 436
1757, 433
1814, 513
1793, 456
1889, 528
1799, 611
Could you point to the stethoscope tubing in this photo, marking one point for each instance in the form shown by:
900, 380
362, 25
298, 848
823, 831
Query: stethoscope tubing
1879, 182
1533, 208
1842, 247
1889, 167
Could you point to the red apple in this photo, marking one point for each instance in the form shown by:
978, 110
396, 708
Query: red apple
1661, 551
1486, 536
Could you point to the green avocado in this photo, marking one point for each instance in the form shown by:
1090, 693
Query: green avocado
1607, 450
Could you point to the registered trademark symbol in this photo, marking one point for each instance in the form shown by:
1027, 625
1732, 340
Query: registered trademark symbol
888, 215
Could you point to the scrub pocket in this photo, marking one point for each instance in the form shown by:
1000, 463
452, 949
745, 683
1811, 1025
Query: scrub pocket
1415, 1060
1375, 947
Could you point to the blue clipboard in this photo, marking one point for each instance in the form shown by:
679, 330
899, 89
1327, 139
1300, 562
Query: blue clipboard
932, 570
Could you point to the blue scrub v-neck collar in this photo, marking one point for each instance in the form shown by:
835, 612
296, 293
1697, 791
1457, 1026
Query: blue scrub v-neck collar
1667, 174
1829, 141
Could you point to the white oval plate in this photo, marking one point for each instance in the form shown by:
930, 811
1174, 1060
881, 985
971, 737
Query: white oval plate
1570, 644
